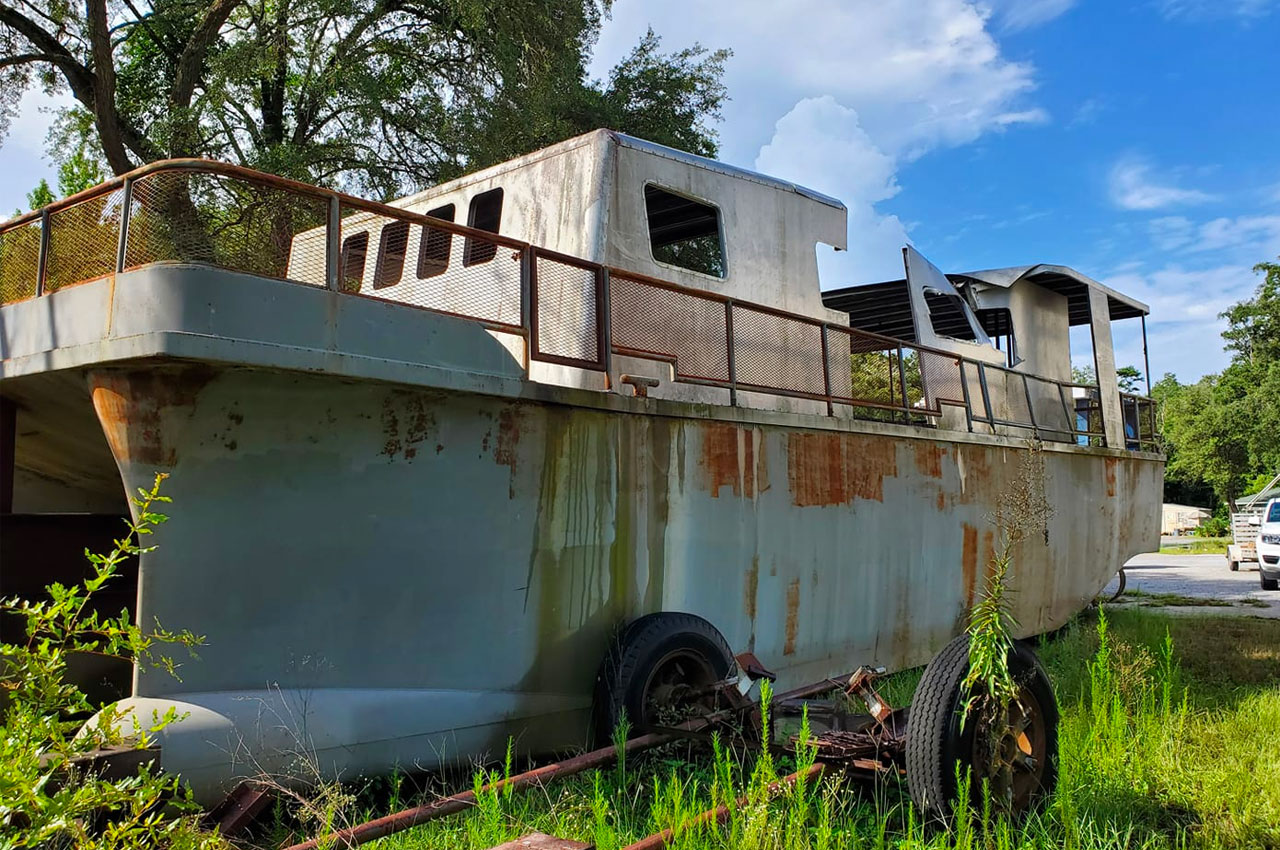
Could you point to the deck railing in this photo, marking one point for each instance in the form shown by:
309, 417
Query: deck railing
570, 311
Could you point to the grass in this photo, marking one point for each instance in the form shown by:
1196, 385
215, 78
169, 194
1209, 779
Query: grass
1168, 740
1198, 546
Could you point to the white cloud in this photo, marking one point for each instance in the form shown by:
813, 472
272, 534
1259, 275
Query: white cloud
1200, 10
821, 144
1015, 15
1133, 187
1258, 235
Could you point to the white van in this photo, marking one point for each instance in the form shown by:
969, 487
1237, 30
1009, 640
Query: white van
1269, 546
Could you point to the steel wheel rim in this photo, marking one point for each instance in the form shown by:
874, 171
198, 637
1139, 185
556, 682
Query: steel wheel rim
679, 681
1014, 758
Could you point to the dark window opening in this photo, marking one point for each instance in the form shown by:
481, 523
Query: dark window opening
485, 214
947, 314
391, 249
354, 250
684, 232
997, 323
435, 246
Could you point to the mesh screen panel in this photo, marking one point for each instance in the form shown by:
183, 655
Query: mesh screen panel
83, 241
777, 352
1051, 417
941, 376
19, 262
227, 222
567, 314
672, 325
431, 273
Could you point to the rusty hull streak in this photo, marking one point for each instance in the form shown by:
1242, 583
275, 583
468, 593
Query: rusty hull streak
793, 617
969, 563
928, 458
1109, 465
734, 457
134, 408
506, 448
835, 469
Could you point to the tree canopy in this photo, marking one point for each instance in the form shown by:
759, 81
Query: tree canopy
1223, 432
376, 96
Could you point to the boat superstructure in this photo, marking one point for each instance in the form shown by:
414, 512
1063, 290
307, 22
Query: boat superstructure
426, 458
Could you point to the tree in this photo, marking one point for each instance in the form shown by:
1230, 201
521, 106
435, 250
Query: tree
1129, 378
1253, 325
379, 96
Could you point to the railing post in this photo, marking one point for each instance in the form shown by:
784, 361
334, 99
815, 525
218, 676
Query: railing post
733, 360
1069, 411
826, 372
529, 298
1031, 410
604, 324
902, 387
964, 392
123, 246
42, 258
333, 245
986, 395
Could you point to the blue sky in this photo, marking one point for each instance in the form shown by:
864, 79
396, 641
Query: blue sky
1135, 140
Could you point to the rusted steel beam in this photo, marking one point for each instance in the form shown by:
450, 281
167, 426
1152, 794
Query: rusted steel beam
720, 814
384, 826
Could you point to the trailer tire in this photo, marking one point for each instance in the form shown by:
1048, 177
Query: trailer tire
937, 745
1234, 566
1268, 583
655, 658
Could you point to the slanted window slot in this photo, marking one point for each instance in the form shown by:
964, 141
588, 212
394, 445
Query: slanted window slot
485, 214
354, 250
435, 245
684, 232
391, 249
947, 315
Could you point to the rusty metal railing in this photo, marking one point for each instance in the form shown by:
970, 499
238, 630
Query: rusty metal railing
1141, 426
570, 311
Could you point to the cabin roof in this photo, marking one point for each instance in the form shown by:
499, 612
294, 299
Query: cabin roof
885, 307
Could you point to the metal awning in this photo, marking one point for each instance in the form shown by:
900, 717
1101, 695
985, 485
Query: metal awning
886, 307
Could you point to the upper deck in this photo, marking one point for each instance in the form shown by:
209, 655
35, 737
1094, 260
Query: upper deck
604, 320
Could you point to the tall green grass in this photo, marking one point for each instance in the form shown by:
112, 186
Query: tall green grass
1170, 738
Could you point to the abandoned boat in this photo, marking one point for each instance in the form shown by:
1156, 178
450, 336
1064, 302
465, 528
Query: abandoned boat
427, 458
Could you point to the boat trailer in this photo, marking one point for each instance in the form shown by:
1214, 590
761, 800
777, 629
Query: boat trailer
865, 745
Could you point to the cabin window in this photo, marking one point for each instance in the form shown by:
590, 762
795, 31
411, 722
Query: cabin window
997, 323
684, 232
948, 316
435, 246
354, 250
391, 248
485, 214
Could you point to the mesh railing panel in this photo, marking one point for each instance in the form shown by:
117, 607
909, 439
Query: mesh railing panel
409, 262
19, 262
671, 325
1051, 416
777, 352
83, 241
859, 372
226, 222
941, 375
567, 312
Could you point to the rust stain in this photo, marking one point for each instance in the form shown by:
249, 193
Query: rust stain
835, 469
506, 449
969, 562
1110, 465
139, 410
929, 458
942, 500
793, 617
730, 457
407, 421
749, 591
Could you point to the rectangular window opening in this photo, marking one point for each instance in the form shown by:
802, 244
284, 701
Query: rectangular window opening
485, 214
354, 250
435, 245
684, 232
391, 250
997, 323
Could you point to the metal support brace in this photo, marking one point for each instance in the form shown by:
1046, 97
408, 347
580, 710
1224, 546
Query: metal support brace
333, 246
1069, 413
826, 373
1031, 410
604, 324
529, 301
733, 360
986, 396
902, 386
964, 391
42, 259
122, 246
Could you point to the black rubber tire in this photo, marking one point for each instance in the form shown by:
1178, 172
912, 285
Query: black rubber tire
633, 656
936, 743
1268, 584
1234, 566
